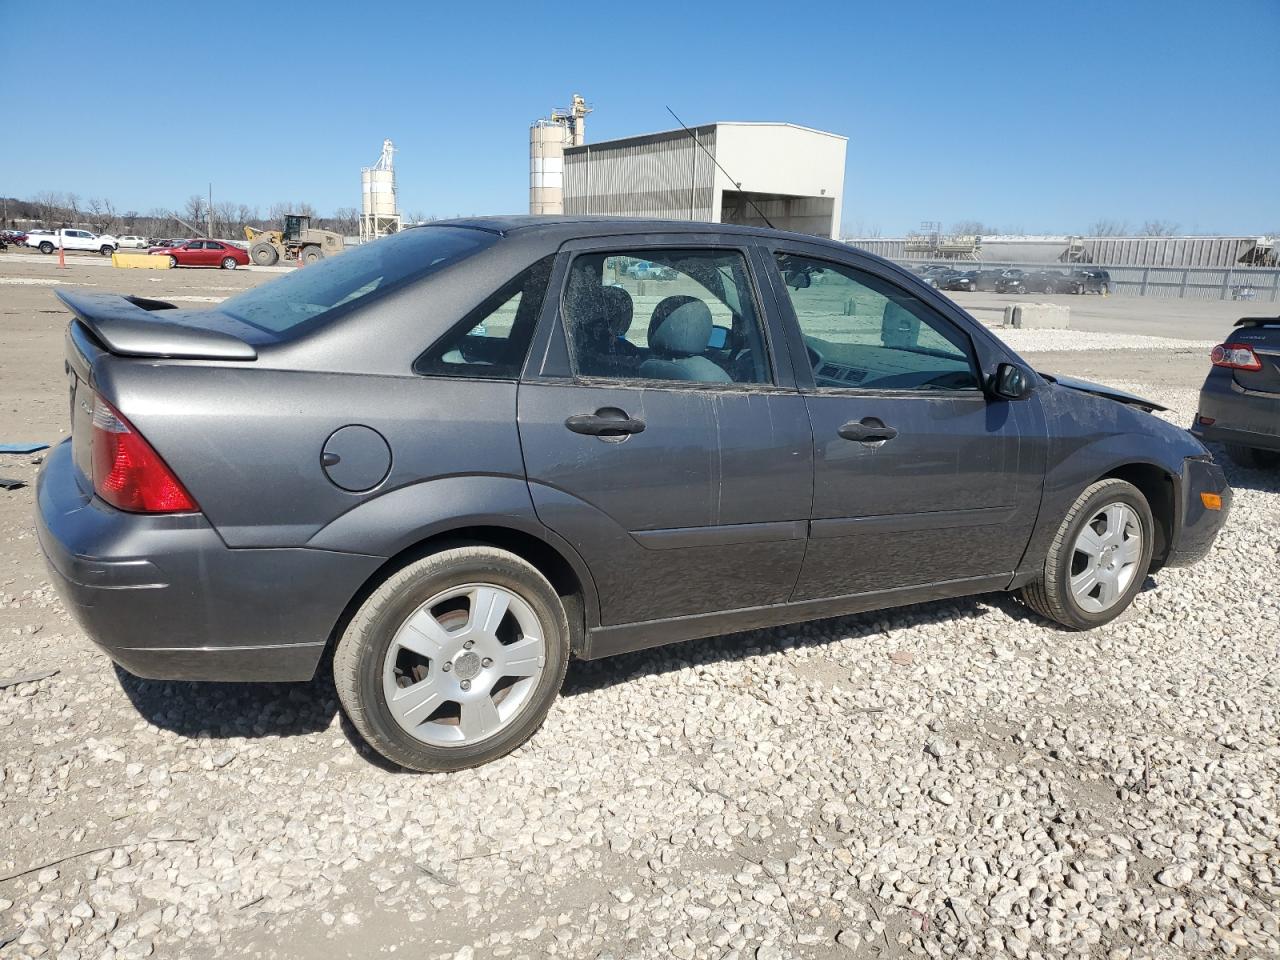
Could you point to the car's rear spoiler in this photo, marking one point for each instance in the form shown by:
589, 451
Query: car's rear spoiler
128, 326
1258, 322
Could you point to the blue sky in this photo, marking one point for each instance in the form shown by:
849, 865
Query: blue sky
1031, 116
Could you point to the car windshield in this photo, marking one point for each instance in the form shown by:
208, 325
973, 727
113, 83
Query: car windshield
355, 276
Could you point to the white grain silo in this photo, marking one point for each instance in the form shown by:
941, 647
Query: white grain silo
548, 138
379, 214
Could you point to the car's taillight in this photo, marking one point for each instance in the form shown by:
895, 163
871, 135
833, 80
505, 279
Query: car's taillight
1235, 356
127, 472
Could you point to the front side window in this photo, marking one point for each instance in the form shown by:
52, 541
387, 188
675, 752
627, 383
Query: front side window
864, 333
671, 315
492, 340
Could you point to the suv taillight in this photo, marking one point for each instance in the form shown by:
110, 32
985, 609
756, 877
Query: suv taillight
127, 472
1235, 356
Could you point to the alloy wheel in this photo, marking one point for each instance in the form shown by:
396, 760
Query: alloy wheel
1105, 557
461, 666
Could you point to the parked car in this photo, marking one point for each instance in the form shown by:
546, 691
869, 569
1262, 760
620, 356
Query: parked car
1011, 281
340, 454
1044, 281
134, 243
69, 239
35, 236
165, 243
1088, 281
967, 281
1240, 399
204, 253
13, 237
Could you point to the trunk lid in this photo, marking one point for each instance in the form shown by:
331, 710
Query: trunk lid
1262, 335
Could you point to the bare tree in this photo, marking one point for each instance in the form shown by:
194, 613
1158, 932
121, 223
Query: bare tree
1108, 228
102, 215
973, 228
193, 209
74, 208
50, 206
347, 220
1159, 228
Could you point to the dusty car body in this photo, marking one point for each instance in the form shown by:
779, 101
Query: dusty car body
1240, 399
479, 416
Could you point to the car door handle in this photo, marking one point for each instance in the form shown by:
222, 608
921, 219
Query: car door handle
867, 430
606, 422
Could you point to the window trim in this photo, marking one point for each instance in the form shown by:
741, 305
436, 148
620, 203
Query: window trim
629, 246
484, 309
805, 377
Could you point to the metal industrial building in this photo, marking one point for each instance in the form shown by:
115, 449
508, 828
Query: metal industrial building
1111, 251
792, 175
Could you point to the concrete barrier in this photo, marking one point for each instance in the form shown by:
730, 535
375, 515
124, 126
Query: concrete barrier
1038, 316
145, 261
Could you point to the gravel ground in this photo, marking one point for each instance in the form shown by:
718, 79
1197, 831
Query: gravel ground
951, 779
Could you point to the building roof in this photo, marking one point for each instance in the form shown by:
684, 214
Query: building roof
659, 135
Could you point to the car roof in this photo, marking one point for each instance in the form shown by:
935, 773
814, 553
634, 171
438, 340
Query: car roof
571, 226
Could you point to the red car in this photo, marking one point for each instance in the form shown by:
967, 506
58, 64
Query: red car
204, 253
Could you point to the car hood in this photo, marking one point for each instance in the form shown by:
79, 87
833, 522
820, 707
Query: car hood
1099, 390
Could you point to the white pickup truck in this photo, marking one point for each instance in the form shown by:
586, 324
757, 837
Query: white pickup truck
68, 239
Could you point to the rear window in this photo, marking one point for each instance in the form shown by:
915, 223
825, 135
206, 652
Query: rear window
338, 284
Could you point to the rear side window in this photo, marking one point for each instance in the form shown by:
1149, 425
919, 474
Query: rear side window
492, 340
340, 283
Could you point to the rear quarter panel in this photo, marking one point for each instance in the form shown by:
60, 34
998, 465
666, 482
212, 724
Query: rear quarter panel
247, 440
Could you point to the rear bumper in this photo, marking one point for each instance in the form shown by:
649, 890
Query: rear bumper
1198, 525
1251, 420
167, 599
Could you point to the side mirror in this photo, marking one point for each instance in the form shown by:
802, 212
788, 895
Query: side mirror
719, 338
1011, 382
797, 279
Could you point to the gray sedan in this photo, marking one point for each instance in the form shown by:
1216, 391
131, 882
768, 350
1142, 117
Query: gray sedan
1240, 399
454, 458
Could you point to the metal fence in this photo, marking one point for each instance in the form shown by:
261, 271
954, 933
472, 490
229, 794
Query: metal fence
1259, 284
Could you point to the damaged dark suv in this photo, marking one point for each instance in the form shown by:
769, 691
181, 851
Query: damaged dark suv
454, 458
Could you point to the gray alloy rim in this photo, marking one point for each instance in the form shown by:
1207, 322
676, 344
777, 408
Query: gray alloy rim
1105, 557
463, 665
229, 263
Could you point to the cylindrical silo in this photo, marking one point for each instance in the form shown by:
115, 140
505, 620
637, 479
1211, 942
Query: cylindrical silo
382, 192
547, 140
366, 192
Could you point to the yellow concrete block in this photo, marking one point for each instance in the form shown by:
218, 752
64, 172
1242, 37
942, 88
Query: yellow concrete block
146, 261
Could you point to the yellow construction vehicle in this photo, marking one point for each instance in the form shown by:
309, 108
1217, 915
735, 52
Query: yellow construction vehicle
297, 241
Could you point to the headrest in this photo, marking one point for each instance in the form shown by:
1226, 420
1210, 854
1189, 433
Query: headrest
682, 332
899, 327
618, 310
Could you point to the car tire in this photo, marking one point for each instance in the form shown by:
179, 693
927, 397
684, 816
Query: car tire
371, 660
1078, 565
106, 250
46, 247
1048, 288
228, 263
1252, 458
